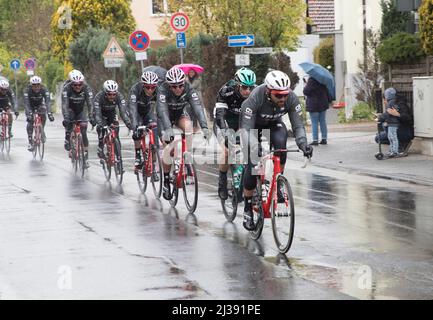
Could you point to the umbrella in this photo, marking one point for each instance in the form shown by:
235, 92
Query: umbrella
188, 66
322, 75
160, 71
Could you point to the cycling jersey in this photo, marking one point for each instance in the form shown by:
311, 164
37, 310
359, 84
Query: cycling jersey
73, 102
105, 110
170, 107
258, 111
140, 105
37, 101
8, 100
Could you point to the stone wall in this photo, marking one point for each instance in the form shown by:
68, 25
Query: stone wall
400, 75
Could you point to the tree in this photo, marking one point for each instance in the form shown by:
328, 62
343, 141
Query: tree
74, 16
426, 25
393, 21
324, 53
278, 25
367, 81
86, 54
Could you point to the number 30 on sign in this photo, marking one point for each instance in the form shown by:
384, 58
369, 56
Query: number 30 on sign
179, 22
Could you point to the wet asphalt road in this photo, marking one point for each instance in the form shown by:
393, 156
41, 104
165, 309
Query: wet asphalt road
63, 237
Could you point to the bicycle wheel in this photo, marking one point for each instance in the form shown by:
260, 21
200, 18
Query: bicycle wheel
190, 187
173, 180
283, 216
73, 152
36, 141
41, 147
106, 166
156, 173
118, 162
8, 144
230, 206
81, 159
142, 174
257, 211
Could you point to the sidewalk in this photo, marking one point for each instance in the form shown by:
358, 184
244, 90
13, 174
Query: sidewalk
352, 148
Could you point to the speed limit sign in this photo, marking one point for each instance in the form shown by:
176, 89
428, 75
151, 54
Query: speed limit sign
179, 22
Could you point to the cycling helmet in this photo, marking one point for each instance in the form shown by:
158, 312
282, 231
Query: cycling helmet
4, 84
278, 80
111, 86
35, 80
175, 75
149, 77
245, 77
76, 76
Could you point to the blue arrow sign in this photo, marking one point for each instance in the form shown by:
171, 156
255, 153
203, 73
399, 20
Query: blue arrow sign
180, 40
242, 40
15, 64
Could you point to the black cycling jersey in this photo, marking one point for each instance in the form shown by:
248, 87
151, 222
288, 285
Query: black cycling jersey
140, 104
8, 100
35, 100
258, 111
228, 106
168, 104
75, 101
103, 108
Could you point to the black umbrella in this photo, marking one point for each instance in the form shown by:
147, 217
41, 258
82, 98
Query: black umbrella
160, 71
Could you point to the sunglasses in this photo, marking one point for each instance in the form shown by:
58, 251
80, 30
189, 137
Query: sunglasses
245, 88
150, 87
281, 96
112, 94
180, 86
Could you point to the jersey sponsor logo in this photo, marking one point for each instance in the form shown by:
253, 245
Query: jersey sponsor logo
228, 93
123, 101
248, 111
298, 108
272, 116
134, 98
194, 95
162, 98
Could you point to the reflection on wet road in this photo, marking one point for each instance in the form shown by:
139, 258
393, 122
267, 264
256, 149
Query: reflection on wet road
64, 237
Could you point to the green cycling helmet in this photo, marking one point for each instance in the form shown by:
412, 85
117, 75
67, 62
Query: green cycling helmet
245, 77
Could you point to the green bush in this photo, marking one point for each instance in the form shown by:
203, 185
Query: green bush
400, 48
426, 25
362, 111
342, 116
324, 54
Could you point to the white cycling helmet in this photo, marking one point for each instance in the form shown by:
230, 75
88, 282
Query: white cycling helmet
111, 86
278, 80
76, 76
35, 80
175, 75
149, 77
4, 84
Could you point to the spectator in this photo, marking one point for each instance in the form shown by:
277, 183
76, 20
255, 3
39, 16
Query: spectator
390, 120
405, 131
317, 102
195, 82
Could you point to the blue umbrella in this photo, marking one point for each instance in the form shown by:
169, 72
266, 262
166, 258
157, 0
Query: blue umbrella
158, 70
322, 75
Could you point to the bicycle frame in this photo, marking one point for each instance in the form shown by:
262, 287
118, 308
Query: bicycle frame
37, 123
271, 195
147, 146
4, 120
109, 139
76, 131
182, 172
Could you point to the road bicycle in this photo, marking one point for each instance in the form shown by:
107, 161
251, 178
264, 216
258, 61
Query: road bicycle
181, 169
5, 139
152, 165
77, 149
38, 137
266, 204
112, 154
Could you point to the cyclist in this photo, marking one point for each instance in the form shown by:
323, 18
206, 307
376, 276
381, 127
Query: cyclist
104, 107
264, 109
36, 99
76, 93
7, 101
226, 114
172, 98
141, 96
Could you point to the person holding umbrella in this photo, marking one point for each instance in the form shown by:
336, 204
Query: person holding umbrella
319, 92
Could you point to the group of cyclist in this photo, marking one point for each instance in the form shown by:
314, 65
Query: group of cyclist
241, 106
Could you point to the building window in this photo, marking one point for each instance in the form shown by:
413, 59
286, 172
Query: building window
159, 7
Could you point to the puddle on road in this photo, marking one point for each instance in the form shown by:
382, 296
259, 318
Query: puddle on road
354, 280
